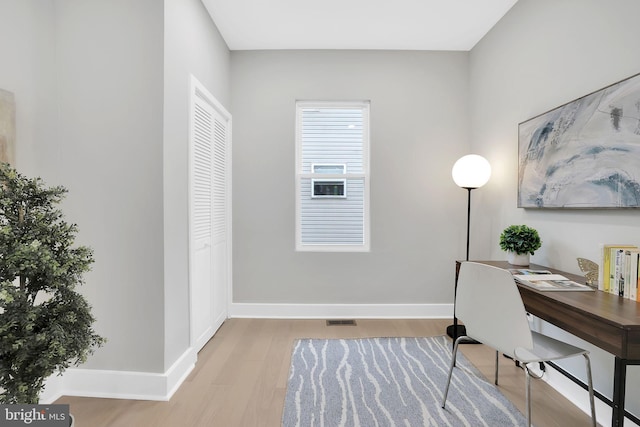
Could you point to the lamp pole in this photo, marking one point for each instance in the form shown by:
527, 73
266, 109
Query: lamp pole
455, 330
469, 172
468, 218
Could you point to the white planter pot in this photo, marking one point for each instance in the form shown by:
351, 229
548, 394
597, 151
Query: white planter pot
518, 259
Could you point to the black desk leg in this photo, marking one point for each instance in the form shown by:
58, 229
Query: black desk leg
619, 380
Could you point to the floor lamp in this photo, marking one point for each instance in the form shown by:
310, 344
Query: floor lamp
469, 172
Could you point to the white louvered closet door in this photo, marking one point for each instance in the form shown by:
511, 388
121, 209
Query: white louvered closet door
210, 213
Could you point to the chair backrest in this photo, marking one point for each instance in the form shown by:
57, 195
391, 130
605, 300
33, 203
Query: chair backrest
489, 304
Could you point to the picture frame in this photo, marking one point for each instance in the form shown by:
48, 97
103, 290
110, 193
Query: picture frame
584, 154
7, 127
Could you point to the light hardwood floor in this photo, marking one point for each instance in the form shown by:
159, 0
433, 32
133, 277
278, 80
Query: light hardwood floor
241, 375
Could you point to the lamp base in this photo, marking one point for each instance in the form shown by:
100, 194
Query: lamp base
461, 330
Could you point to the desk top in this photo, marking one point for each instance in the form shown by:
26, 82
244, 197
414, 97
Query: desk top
603, 319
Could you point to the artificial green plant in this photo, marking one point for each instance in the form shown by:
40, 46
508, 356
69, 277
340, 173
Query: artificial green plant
520, 239
45, 324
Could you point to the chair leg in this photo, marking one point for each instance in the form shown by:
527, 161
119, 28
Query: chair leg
590, 381
496, 380
453, 363
527, 393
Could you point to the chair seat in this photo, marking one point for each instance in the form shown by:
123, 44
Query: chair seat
547, 348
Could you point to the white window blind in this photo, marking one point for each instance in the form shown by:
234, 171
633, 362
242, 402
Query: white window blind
332, 176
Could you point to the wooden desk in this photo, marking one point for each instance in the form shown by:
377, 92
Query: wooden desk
605, 320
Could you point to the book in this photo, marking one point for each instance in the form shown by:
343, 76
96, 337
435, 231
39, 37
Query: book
630, 272
624, 282
638, 280
617, 268
633, 280
550, 282
605, 267
619, 274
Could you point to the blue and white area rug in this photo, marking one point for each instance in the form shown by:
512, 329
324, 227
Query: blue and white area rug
389, 382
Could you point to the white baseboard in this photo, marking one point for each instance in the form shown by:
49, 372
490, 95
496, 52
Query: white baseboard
120, 384
336, 311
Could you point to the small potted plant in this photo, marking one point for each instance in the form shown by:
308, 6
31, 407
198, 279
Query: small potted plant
45, 323
519, 241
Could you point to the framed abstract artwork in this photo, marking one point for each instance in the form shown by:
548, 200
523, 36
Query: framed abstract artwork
583, 154
7, 127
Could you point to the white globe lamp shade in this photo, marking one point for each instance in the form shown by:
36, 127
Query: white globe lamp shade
471, 171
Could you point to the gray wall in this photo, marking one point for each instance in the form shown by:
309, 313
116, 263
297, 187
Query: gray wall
545, 53
102, 105
27, 52
419, 128
110, 122
192, 46
89, 118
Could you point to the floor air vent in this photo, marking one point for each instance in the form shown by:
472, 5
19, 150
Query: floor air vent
341, 322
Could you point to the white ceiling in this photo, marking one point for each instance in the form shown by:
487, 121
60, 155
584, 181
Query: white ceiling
355, 24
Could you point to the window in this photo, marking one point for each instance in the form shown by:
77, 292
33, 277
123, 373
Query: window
332, 176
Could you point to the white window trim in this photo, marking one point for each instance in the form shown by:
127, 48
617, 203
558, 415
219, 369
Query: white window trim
365, 175
328, 196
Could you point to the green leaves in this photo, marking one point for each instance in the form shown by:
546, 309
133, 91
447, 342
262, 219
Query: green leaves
520, 239
38, 257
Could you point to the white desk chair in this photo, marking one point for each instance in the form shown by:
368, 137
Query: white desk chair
489, 304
